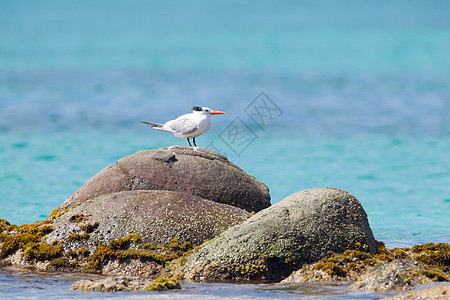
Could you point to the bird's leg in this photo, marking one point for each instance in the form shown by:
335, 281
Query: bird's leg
194, 142
189, 142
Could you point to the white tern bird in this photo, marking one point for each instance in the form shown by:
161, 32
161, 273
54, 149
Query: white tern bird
188, 125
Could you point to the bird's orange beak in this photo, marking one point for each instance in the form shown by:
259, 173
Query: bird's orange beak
216, 112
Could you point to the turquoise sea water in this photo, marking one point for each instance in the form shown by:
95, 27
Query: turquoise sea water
361, 91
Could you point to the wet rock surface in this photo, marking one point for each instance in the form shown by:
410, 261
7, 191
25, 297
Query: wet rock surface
398, 274
300, 229
189, 170
384, 271
437, 292
118, 284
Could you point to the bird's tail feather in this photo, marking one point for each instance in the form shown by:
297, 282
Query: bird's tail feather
152, 125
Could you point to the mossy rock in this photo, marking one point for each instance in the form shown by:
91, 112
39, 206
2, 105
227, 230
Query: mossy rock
302, 228
163, 284
386, 270
127, 233
30, 238
398, 274
156, 217
121, 283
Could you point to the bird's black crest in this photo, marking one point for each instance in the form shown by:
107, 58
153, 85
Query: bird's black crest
197, 108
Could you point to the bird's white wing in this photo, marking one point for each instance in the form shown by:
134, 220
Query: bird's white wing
182, 125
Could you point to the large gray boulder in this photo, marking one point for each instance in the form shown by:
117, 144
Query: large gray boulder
191, 170
301, 228
157, 217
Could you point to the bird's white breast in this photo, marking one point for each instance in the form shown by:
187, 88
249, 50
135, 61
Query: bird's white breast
204, 124
189, 125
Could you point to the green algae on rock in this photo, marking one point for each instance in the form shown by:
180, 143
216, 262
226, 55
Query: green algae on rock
399, 274
158, 217
395, 269
120, 250
29, 242
123, 283
29, 238
163, 284
433, 254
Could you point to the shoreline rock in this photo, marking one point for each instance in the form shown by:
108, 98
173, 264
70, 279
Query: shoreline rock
119, 223
164, 213
395, 275
157, 217
386, 270
301, 228
352, 265
190, 170
120, 284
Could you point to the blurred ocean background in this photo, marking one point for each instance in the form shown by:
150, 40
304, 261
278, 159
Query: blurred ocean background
362, 88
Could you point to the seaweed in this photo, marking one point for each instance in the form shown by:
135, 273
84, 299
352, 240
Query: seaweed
434, 274
25, 237
332, 269
434, 258
4, 225
42, 251
76, 218
83, 252
120, 249
78, 237
431, 254
163, 284
89, 227
124, 243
